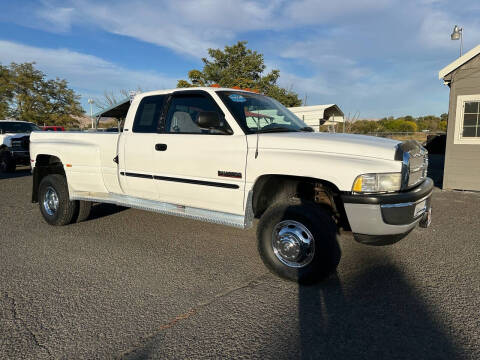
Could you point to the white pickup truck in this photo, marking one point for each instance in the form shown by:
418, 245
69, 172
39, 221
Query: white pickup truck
229, 156
14, 143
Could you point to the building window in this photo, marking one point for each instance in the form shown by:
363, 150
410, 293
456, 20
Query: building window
471, 125
467, 120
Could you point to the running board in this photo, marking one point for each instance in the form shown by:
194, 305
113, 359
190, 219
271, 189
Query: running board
216, 217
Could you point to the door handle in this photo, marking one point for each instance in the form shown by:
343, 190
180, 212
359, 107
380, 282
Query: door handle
160, 147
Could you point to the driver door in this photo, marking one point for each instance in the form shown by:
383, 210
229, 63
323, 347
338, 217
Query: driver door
197, 167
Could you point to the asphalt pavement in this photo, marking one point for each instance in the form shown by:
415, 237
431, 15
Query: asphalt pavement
138, 285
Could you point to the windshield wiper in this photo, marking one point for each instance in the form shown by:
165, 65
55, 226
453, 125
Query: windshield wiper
307, 129
276, 129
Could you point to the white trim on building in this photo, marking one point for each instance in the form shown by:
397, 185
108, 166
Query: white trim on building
459, 62
459, 120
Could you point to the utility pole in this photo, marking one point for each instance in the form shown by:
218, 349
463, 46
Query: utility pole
457, 34
91, 101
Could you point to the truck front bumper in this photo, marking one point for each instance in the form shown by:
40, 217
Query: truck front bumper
382, 219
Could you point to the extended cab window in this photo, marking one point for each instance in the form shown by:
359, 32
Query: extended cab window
148, 114
183, 114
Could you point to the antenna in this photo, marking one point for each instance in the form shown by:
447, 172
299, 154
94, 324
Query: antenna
258, 134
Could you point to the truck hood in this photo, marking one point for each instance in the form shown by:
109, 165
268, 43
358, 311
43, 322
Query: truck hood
347, 144
6, 139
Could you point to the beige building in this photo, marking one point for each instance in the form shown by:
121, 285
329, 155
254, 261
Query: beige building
462, 155
317, 115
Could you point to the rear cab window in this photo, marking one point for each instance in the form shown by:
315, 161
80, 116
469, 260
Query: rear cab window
148, 114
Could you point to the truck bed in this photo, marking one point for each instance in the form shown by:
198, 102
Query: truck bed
87, 157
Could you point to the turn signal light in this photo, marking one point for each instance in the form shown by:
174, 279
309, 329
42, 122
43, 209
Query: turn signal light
357, 185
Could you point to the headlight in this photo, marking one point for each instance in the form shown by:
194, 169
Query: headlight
376, 183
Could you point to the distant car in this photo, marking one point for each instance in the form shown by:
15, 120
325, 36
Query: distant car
53, 128
15, 143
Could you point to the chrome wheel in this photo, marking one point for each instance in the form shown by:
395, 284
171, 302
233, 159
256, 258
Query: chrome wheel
50, 201
293, 244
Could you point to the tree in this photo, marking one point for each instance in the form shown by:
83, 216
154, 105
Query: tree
6, 91
398, 125
110, 98
442, 125
366, 127
25, 94
238, 66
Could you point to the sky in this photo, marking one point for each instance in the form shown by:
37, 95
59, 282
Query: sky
374, 58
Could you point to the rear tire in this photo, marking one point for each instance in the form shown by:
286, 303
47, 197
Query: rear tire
55, 204
7, 162
298, 241
84, 209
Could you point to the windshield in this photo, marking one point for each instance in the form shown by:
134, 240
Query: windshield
259, 113
17, 127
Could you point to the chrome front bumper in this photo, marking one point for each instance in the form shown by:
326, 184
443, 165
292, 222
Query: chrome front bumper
387, 218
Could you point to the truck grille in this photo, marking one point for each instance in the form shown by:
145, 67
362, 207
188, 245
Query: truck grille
21, 144
415, 163
417, 166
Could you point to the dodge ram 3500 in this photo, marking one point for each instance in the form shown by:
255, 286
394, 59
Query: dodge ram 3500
228, 156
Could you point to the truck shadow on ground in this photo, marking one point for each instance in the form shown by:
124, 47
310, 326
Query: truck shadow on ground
103, 209
379, 316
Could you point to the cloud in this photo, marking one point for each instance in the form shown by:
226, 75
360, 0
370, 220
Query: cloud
374, 54
192, 26
318, 12
187, 27
436, 26
379, 61
57, 17
88, 74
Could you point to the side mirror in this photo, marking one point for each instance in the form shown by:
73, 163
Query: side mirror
209, 120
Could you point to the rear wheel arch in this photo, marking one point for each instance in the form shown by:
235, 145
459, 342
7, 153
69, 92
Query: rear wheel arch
45, 164
47, 160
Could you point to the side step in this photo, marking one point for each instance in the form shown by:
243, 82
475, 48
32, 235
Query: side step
216, 217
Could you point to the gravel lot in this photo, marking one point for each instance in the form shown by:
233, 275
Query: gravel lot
133, 284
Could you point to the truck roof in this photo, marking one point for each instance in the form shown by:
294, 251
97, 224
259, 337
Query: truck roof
18, 121
204, 88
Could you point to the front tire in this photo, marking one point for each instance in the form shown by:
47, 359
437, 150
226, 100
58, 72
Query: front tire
7, 162
55, 204
298, 241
